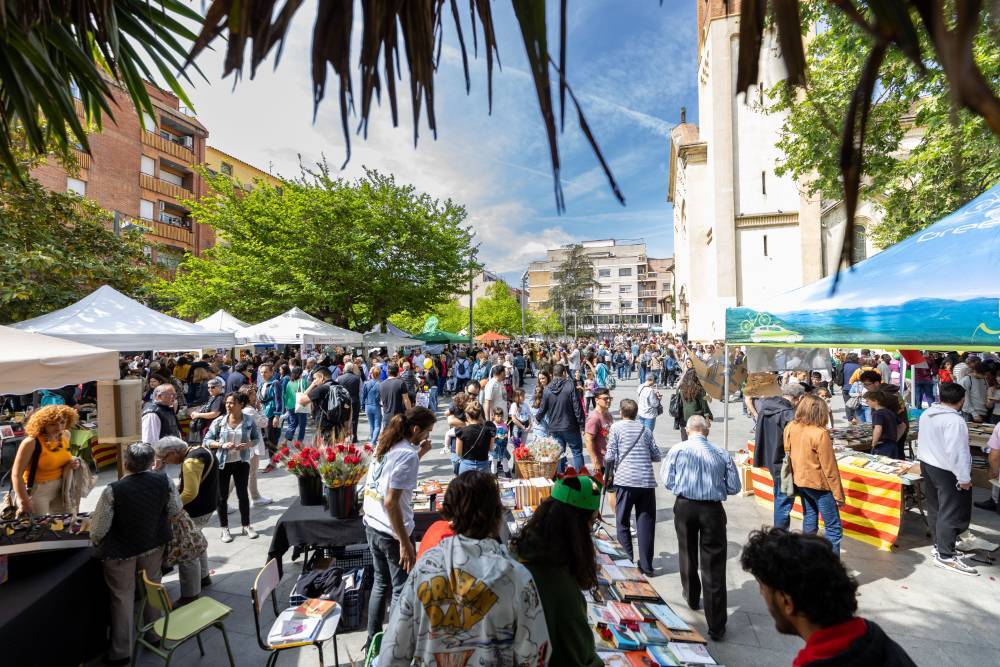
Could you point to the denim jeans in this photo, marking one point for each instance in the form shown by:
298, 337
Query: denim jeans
433, 392
816, 503
648, 422
574, 441
642, 375
465, 465
295, 425
621, 371
389, 577
925, 391
782, 506
374, 413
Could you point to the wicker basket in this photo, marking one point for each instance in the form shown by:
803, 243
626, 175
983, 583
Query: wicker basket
528, 469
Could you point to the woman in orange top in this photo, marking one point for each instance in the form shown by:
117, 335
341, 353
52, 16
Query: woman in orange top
48, 432
814, 469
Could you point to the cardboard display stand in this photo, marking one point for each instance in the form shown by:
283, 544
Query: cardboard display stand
119, 419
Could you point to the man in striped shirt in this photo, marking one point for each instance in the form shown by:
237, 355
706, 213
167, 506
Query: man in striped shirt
702, 475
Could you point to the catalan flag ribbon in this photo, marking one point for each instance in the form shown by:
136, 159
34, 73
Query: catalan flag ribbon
873, 509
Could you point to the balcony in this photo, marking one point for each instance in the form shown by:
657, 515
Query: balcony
168, 231
171, 148
174, 220
647, 292
82, 159
164, 188
647, 309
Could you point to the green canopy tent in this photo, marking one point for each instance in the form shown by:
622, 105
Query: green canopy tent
431, 333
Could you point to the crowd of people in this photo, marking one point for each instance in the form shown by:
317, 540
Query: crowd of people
222, 420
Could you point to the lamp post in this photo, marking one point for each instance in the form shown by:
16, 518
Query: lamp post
524, 289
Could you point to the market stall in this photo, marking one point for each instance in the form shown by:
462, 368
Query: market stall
389, 337
491, 337
30, 361
886, 302
297, 327
110, 320
224, 322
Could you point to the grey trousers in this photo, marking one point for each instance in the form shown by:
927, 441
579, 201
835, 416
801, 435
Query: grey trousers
192, 572
120, 576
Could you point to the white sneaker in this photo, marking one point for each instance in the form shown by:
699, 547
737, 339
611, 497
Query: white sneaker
955, 564
227, 537
263, 500
250, 532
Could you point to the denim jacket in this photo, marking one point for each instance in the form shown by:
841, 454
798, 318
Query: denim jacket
370, 397
220, 431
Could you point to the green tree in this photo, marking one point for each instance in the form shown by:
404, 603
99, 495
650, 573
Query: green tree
498, 311
55, 248
352, 253
451, 318
574, 284
543, 321
953, 161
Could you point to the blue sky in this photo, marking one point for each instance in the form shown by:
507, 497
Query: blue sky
632, 65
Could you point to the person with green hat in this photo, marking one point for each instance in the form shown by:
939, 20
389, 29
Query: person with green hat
556, 547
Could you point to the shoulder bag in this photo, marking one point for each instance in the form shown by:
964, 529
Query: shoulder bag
609, 472
787, 482
8, 508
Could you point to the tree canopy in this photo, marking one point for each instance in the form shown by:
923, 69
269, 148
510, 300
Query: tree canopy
56, 248
923, 158
574, 284
350, 252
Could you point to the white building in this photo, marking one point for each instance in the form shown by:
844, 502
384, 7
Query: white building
741, 233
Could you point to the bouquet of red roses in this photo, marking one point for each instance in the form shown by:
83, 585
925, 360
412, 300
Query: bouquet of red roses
301, 462
344, 464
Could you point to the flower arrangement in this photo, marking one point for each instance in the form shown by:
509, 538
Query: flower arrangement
539, 450
301, 462
344, 464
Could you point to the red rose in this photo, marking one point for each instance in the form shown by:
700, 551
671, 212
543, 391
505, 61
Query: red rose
285, 451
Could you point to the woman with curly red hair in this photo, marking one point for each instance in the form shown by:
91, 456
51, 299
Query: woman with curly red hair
41, 458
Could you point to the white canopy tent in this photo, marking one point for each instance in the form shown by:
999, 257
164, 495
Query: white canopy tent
392, 337
297, 327
224, 321
109, 319
30, 361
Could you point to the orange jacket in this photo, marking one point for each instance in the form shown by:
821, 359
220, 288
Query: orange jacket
813, 464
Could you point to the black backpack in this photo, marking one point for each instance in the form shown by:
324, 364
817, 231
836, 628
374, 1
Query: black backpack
838, 375
338, 404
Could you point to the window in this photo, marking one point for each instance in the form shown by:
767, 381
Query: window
76, 185
604, 290
226, 169
763, 183
604, 305
765, 245
624, 289
624, 272
148, 122
145, 209
604, 273
625, 305
170, 177
860, 243
148, 165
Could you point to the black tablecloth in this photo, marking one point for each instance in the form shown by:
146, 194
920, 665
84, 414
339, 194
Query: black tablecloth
312, 526
54, 609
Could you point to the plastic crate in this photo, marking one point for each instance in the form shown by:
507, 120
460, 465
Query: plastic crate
354, 557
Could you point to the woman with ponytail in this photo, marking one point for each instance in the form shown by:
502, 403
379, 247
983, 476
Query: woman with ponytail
388, 506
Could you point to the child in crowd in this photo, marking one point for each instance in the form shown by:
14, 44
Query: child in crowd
824, 393
520, 417
588, 391
500, 457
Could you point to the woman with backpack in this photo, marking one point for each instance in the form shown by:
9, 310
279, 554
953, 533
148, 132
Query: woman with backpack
692, 401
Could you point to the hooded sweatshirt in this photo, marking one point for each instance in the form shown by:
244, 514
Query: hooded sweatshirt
943, 441
855, 643
774, 413
561, 406
467, 602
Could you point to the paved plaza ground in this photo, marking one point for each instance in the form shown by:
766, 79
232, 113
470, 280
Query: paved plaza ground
940, 618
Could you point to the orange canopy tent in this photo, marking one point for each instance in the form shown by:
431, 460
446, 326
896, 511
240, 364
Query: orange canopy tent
491, 337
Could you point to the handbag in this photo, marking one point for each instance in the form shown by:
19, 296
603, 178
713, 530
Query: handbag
853, 402
186, 541
609, 472
676, 406
787, 483
8, 508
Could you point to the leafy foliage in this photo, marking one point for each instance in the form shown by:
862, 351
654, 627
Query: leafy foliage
451, 318
56, 248
951, 163
49, 46
352, 253
499, 311
574, 284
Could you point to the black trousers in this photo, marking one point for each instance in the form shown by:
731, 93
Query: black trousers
356, 413
643, 501
271, 436
949, 509
239, 472
701, 538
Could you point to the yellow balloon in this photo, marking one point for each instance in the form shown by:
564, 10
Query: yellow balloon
428, 363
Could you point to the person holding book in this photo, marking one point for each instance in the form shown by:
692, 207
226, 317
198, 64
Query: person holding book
809, 593
701, 475
630, 455
467, 598
556, 547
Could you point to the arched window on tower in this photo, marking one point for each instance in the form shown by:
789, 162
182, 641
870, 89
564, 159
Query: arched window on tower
860, 241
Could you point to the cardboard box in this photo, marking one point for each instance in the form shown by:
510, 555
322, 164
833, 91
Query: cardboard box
119, 403
746, 477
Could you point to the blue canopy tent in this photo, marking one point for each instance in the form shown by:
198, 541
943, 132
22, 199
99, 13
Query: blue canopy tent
937, 289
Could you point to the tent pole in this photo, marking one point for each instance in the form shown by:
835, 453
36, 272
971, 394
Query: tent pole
725, 402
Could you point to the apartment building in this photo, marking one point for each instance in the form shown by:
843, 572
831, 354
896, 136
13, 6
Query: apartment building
218, 161
634, 290
144, 173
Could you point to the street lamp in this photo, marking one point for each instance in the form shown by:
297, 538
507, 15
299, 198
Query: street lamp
524, 289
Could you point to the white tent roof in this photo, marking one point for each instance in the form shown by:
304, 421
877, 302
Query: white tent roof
109, 319
391, 337
296, 327
221, 320
30, 361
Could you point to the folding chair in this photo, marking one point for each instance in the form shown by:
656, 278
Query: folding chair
176, 626
263, 588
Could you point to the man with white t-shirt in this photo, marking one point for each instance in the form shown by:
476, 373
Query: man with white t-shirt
495, 396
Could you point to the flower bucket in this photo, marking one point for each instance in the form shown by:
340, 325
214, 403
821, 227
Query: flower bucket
342, 501
310, 490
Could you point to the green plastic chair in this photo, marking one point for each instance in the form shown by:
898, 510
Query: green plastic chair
371, 656
176, 626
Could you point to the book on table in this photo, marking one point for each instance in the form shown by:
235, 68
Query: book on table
623, 638
292, 630
315, 608
666, 615
636, 590
661, 656
692, 654
624, 612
